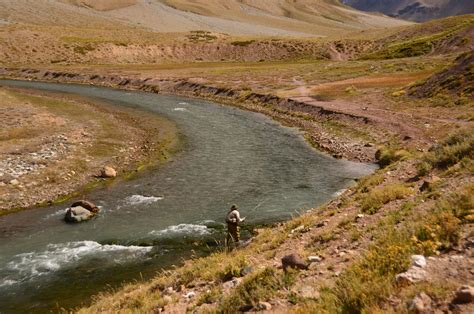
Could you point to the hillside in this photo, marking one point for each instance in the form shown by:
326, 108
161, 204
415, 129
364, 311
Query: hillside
414, 10
269, 18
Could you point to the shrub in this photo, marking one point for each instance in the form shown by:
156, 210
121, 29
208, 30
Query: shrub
371, 280
449, 152
441, 228
386, 156
383, 195
260, 286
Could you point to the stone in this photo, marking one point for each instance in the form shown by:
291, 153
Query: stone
421, 303
232, 283
298, 229
6, 178
359, 217
428, 183
293, 261
309, 292
108, 172
263, 306
168, 291
465, 294
190, 295
246, 270
14, 182
418, 261
78, 214
412, 275
315, 259
87, 205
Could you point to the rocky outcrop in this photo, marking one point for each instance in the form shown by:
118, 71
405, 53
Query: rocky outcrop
415, 273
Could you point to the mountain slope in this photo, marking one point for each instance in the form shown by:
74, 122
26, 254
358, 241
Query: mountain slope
234, 17
415, 10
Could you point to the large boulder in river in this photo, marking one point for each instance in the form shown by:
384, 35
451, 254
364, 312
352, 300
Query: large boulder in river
81, 211
87, 205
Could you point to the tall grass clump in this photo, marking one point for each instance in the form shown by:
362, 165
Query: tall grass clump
376, 198
387, 155
449, 152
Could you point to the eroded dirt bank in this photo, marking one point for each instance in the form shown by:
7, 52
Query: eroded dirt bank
55, 145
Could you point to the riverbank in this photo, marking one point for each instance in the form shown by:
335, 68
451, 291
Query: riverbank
349, 136
54, 146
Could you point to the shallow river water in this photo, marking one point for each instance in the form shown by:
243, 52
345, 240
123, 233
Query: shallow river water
153, 221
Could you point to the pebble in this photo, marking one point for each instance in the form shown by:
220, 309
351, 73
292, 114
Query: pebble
190, 295
264, 306
315, 258
421, 303
418, 261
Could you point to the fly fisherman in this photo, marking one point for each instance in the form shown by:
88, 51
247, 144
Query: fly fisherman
233, 220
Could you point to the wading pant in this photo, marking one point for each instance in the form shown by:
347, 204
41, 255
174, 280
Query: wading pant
233, 233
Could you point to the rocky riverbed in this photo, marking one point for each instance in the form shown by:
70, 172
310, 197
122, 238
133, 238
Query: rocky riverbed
55, 145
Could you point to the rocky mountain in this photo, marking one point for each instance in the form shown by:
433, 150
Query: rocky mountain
414, 10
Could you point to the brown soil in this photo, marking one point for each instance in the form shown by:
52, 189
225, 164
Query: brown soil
54, 145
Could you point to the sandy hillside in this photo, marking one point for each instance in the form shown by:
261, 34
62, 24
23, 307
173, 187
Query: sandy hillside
249, 17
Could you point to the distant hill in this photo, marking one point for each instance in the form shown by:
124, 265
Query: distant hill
415, 10
303, 18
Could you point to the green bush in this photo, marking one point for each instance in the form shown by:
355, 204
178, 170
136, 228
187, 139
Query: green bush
383, 195
386, 156
371, 280
449, 152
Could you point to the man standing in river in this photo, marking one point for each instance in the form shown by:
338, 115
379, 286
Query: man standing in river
233, 220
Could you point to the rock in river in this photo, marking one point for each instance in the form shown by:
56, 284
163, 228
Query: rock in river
81, 211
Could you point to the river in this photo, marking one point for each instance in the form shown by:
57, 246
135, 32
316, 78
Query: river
165, 213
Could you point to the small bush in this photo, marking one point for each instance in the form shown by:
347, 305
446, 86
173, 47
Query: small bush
371, 280
260, 286
383, 195
386, 156
450, 151
211, 296
441, 228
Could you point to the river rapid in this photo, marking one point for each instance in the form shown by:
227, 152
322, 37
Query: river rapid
165, 213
